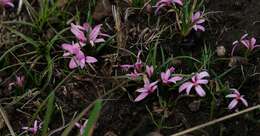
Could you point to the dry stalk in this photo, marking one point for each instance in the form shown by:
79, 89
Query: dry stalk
216, 121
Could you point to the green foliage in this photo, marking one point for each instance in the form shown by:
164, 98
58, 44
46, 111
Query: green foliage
48, 114
92, 119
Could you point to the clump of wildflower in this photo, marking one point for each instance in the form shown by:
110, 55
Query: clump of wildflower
166, 3
197, 20
167, 78
147, 89
6, 3
196, 81
34, 129
249, 43
235, 95
81, 127
86, 34
79, 59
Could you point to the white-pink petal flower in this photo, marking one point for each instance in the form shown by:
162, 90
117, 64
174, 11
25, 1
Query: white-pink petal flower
81, 127
94, 34
148, 88
235, 95
197, 21
149, 71
20, 81
78, 31
134, 75
232, 104
34, 129
167, 78
196, 81
249, 43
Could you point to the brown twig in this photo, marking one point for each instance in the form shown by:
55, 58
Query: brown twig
7, 121
216, 121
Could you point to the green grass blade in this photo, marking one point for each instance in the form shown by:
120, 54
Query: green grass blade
10, 50
27, 39
94, 114
49, 111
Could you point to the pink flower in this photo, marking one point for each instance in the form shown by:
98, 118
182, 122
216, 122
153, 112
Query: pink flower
167, 3
33, 129
236, 98
242, 38
78, 59
167, 79
81, 127
134, 75
126, 67
72, 49
149, 71
250, 44
197, 20
236, 43
137, 66
148, 88
92, 34
172, 69
196, 81
20, 81
6, 3
78, 31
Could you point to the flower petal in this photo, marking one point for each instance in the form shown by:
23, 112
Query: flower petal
99, 40
202, 75
141, 97
90, 59
200, 21
202, 81
244, 101
75, 29
200, 27
141, 90
95, 32
231, 96
178, 2
252, 41
200, 91
73, 64
243, 37
175, 79
187, 86
245, 43
232, 104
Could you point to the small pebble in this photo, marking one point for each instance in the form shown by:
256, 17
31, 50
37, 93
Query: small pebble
221, 51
